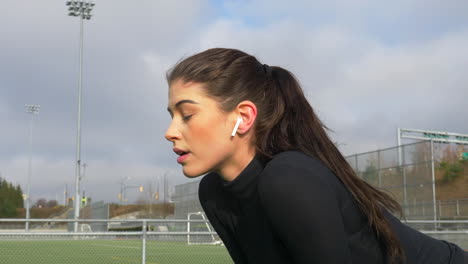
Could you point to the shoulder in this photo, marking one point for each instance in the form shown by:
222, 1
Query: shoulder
290, 156
295, 165
290, 170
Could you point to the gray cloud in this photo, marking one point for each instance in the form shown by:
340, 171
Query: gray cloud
123, 115
362, 88
366, 69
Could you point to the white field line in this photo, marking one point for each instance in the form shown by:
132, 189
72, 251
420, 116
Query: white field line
116, 246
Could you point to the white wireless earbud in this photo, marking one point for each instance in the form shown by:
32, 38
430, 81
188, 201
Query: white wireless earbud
239, 120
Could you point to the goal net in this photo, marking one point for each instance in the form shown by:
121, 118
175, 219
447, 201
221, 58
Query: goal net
200, 233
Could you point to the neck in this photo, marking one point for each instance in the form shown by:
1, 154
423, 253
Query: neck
237, 163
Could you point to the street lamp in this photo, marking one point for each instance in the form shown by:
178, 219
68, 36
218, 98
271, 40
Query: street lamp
122, 188
80, 9
126, 187
33, 110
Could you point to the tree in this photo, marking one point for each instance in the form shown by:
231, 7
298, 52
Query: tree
11, 197
451, 170
450, 165
370, 174
51, 203
19, 202
7, 209
41, 203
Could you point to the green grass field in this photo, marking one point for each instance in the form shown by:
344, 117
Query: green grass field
109, 251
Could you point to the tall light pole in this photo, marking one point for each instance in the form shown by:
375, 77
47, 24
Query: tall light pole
80, 9
33, 110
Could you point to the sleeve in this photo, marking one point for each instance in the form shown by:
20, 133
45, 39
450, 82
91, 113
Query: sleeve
304, 212
207, 195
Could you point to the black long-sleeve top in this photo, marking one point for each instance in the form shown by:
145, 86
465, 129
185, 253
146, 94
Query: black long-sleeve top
293, 209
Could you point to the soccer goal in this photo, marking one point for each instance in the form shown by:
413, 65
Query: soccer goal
86, 228
199, 227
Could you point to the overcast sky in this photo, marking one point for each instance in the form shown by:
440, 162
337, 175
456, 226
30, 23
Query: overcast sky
367, 67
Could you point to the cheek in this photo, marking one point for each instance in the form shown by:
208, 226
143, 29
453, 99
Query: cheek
210, 137
210, 144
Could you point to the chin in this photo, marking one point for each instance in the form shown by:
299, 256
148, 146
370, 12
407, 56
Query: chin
191, 173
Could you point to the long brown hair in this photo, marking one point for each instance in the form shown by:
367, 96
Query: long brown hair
285, 121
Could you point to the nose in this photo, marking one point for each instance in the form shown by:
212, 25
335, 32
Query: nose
172, 133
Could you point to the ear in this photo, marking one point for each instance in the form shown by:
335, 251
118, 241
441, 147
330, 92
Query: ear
248, 112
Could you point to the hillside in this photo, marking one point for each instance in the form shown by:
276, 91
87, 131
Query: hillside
454, 190
145, 211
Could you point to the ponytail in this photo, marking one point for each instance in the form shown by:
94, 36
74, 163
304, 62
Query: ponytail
299, 128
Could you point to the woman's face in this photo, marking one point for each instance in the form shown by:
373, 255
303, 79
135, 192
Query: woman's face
199, 130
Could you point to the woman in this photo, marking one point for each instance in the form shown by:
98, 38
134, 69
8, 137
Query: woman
277, 188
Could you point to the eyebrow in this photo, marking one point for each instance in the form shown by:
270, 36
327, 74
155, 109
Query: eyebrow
186, 101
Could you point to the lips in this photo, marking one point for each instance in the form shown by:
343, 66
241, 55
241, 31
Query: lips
183, 154
183, 157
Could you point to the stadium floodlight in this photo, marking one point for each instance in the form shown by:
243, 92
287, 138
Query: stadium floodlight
33, 110
81, 9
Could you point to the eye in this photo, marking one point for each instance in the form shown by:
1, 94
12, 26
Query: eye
186, 118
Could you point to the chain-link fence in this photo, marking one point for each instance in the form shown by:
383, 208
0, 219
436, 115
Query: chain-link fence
417, 175
413, 174
124, 241
142, 241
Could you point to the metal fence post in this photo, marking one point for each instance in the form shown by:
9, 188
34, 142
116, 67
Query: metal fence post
378, 168
76, 225
143, 253
458, 208
440, 209
433, 184
357, 168
405, 193
188, 228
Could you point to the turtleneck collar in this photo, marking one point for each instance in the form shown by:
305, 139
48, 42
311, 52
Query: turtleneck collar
246, 183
